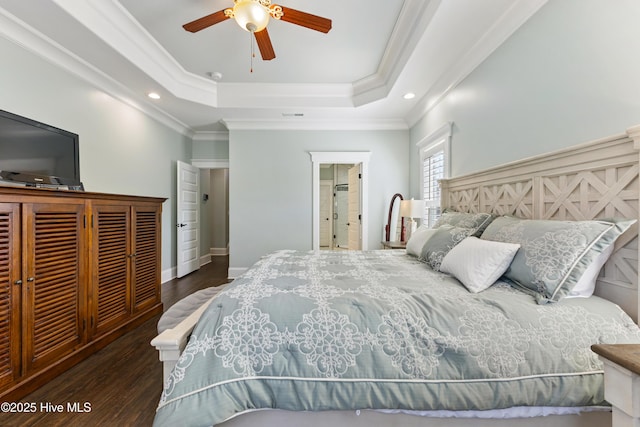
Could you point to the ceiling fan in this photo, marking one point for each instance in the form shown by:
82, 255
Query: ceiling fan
253, 16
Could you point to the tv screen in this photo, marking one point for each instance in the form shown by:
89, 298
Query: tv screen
37, 154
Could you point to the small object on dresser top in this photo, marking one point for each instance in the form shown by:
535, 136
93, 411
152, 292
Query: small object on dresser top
625, 355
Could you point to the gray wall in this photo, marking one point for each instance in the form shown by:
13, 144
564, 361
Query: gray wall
270, 186
569, 75
211, 149
122, 150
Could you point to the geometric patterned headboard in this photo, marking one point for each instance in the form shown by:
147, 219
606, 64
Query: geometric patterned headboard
599, 179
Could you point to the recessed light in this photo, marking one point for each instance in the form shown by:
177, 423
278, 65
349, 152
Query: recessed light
153, 95
409, 95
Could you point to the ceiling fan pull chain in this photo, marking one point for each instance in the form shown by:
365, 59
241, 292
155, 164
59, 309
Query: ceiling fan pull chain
253, 55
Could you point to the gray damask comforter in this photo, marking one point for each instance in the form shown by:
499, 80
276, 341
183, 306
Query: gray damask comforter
379, 329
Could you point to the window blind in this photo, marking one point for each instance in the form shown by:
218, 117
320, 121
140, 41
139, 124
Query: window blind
432, 172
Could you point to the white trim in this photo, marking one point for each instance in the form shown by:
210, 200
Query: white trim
168, 274
415, 15
112, 23
517, 14
346, 157
440, 139
205, 259
219, 251
431, 142
27, 37
210, 163
308, 124
218, 135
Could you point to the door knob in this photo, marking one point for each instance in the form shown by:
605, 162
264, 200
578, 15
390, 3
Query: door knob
181, 225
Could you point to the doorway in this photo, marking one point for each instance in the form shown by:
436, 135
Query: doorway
213, 202
338, 198
358, 223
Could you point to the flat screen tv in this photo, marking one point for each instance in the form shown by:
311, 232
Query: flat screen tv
36, 154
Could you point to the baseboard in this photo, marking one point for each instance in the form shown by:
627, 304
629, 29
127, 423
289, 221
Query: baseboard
219, 251
172, 273
235, 272
205, 259
168, 274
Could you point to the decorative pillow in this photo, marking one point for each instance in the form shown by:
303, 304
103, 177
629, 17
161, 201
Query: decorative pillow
554, 254
478, 263
418, 239
476, 221
441, 242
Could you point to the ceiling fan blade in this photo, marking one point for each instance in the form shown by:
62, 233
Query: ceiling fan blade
264, 44
205, 21
306, 20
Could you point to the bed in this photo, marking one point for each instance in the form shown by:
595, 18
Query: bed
325, 337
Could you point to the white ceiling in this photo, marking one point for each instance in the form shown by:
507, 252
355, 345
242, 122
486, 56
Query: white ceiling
353, 77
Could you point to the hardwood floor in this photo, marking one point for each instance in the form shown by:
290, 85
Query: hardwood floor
121, 384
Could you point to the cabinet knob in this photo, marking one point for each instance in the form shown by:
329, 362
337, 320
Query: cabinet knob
18, 282
30, 279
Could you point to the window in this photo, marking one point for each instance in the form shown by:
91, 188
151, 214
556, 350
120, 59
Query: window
434, 158
432, 172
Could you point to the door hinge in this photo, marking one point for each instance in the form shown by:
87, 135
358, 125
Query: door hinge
359, 176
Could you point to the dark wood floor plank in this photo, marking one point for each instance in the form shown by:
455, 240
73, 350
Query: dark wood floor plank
123, 381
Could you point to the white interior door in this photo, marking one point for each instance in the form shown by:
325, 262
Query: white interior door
355, 227
326, 213
188, 238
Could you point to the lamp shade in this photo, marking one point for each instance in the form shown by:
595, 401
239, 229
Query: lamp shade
251, 15
412, 208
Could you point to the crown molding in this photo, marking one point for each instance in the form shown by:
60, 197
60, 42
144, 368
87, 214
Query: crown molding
210, 136
114, 25
210, 163
413, 21
242, 124
27, 37
280, 95
512, 19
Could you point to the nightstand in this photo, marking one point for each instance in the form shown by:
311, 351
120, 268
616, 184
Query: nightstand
621, 381
393, 245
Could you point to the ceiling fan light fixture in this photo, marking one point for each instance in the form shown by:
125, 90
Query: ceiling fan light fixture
250, 15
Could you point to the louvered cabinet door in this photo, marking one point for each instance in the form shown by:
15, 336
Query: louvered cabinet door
146, 260
10, 276
111, 251
53, 292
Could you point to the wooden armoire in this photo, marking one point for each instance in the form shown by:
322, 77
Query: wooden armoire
77, 270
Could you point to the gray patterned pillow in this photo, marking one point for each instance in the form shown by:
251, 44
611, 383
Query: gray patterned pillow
441, 242
553, 255
476, 221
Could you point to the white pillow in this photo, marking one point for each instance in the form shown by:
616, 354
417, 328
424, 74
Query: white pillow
418, 239
587, 283
478, 263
